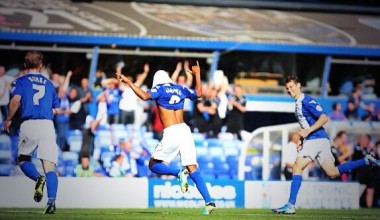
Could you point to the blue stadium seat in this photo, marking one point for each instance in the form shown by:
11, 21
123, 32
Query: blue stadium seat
103, 138
216, 151
201, 151
199, 139
119, 134
231, 151
233, 165
5, 142
221, 170
214, 142
75, 143
6, 169
118, 127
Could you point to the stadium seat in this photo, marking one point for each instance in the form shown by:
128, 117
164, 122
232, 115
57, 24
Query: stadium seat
233, 165
118, 127
5, 142
201, 151
119, 134
231, 152
213, 142
226, 136
220, 168
75, 143
199, 139
216, 152
6, 169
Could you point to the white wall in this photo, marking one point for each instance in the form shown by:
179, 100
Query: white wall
78, 193
329, 195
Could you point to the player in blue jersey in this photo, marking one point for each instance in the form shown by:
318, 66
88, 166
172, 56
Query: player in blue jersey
35, 95
316, 144
177, 137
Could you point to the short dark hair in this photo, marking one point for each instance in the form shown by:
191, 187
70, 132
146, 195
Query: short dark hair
33, 59
293, 78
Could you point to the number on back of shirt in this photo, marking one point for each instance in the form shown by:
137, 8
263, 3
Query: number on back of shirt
174, 99
39, 94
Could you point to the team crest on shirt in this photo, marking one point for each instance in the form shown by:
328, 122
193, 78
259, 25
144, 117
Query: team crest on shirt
319, 108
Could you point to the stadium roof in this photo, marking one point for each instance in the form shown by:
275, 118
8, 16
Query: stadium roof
188, 27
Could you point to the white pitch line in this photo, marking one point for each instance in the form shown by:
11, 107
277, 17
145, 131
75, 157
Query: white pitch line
141, 27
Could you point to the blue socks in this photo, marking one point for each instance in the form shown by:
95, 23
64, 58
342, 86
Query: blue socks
52, 186
350, 165
30, 170
202, 188
294, 187
163, 169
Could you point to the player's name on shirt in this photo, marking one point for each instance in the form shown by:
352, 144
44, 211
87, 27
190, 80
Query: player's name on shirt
173, 90
37, 79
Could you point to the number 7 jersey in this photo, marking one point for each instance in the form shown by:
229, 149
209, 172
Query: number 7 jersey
38, 96
171, 96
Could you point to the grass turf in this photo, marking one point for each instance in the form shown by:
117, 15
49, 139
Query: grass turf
183, 214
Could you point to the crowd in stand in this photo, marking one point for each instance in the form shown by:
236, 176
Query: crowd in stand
221, 109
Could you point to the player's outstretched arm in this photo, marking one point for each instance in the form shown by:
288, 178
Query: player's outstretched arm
139, 92
196, 71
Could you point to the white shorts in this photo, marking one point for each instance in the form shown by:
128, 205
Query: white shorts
177, 140
319, 149
38, 135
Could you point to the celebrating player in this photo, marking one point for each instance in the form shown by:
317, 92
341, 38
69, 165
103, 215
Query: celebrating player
177, 137
316, 144
36, 96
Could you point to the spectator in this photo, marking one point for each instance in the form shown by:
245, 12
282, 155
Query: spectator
142, 163
236, 110
354, 103
370, 113
289, 154
337, 114
129, 153
62, 119
113, 95
99, 77
88, 141
200, 114
77, 118
342, 151
85, 95
85, 169
377, 116
116, 169
5, 86
365, 175
129, 100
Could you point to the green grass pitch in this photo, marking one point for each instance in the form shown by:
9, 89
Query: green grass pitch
183, 214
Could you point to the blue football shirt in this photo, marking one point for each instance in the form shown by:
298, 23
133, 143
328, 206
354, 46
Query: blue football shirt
307, 113
171, 96
38, 96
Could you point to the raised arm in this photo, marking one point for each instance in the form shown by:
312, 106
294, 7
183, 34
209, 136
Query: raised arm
141, 77
176, 72
139, 92
196, 71
189, 76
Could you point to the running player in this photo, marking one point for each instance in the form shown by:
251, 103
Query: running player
316, 144
177, 136
35, 95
